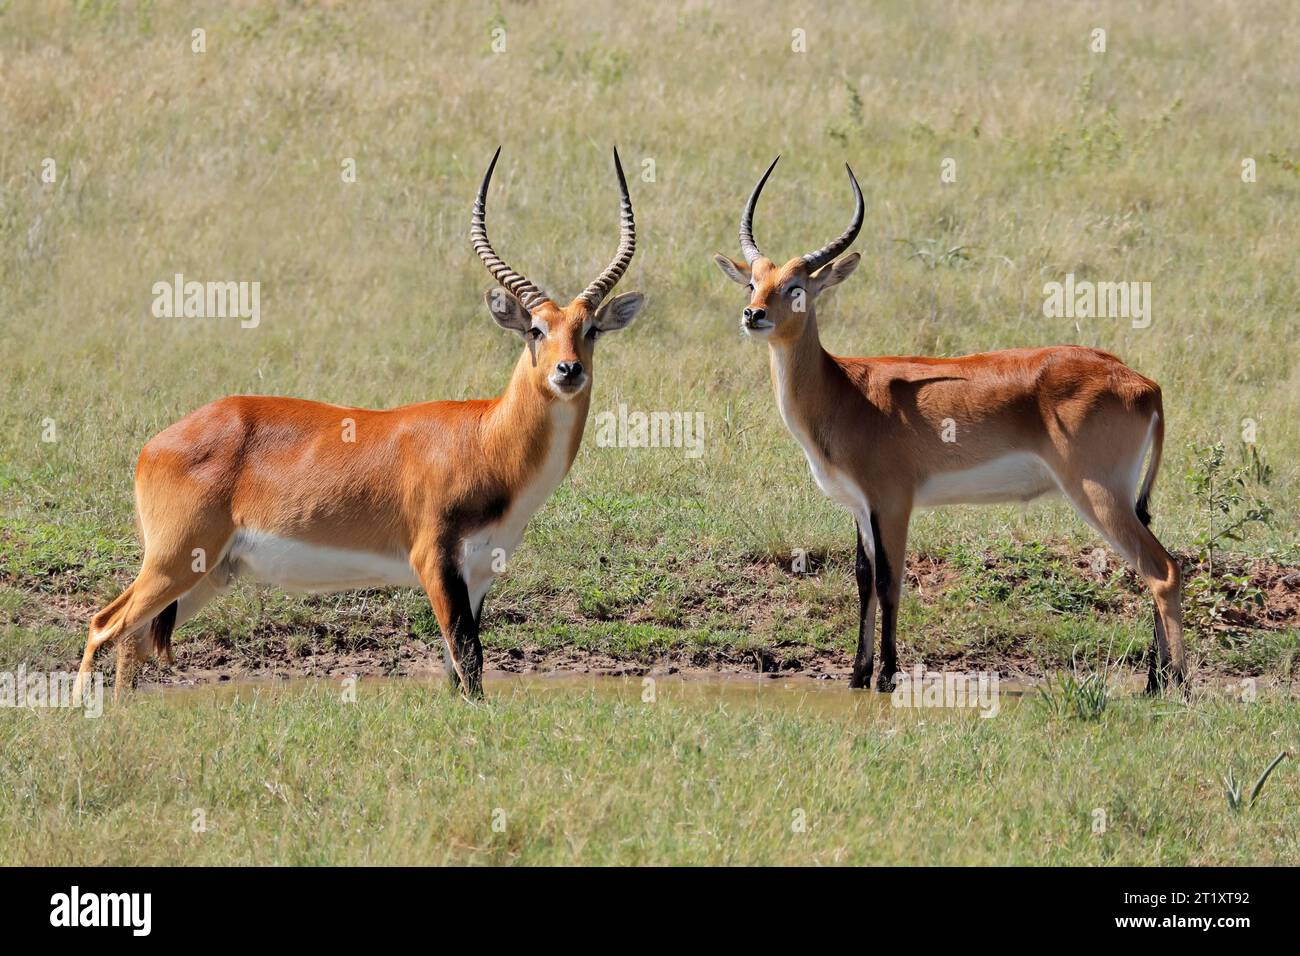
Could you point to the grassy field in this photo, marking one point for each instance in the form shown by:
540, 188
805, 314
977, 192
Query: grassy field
227, 165
410, 775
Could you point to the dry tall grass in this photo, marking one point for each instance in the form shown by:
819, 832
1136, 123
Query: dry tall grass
1123, 165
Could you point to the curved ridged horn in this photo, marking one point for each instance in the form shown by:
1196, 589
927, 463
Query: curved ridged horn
815, 260
597, 291
528, 294
747, 244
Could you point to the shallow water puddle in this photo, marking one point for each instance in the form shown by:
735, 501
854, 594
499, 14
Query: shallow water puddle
706, 691
793, 695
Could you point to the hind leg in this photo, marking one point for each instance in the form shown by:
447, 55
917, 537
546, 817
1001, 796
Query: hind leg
155, 636
1111, 513
125, 619
126, 616
215, 584
132, 651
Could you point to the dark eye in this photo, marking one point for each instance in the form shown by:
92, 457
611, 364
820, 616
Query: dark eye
793, 289
751, 288
534, 333
593, 333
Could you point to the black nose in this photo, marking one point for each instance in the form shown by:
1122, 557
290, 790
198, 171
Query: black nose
754, 315
569, 370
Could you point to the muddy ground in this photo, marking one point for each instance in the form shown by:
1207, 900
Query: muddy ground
390, 648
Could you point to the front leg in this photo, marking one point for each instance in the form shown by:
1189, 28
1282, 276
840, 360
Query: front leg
865, 659
889, 532
457, 620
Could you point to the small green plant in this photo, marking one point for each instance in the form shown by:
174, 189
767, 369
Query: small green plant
1232, 502
1076, 694
1222, 603
1232, 788
1095, 133
852, 123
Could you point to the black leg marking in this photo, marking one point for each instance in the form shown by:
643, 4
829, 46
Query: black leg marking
1157, 659
160, 632
1143, 510
888, 611
865, 660
464, 636
464, 639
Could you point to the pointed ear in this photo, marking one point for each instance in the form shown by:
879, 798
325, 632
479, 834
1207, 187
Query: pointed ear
735, 271
833, 273
618, 312
507, 310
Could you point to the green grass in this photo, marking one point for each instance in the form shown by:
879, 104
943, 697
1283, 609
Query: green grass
409, 774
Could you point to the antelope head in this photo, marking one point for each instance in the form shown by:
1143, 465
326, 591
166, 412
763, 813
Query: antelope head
560, 339
781, 297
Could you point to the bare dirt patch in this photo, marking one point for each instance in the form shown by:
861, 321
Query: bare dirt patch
752, 598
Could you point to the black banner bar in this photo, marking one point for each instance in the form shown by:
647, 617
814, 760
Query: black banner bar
335, 905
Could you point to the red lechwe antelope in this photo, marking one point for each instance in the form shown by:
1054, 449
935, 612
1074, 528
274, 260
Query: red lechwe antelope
434, 495
886, 435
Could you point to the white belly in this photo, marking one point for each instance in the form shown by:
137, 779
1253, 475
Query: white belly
1019, 476
300, 566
